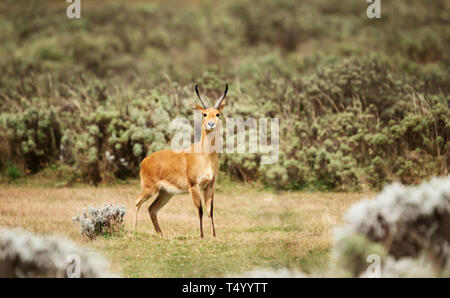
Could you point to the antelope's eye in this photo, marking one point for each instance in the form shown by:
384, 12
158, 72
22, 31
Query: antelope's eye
204, 115
217, 115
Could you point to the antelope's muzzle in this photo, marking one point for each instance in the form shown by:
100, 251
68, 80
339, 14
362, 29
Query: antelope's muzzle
210, 125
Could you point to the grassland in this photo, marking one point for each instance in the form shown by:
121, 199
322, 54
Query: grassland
362, 102
256, 228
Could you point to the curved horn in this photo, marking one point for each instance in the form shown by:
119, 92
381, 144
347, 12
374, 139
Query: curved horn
219, 101
199, 97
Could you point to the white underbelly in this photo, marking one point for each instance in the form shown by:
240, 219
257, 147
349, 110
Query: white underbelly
170, 188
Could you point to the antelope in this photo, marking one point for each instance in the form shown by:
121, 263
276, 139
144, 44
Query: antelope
165, 173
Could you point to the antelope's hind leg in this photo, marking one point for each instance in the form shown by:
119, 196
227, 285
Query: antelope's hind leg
145, 194
161, 200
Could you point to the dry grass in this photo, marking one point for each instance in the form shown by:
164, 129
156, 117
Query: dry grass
255, 228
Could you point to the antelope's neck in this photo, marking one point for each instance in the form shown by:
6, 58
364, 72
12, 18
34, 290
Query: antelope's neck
206, 145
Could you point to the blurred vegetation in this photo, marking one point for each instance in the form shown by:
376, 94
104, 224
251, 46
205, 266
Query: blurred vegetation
361, 101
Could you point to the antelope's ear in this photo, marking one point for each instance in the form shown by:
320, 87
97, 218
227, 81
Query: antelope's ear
222, 105
195, 107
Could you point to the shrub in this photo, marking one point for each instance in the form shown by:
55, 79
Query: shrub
409, 222
106, 220
34, 136
12, 172
23, 254
271, 273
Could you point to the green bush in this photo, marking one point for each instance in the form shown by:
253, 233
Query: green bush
12, 172
33, 135
361, 102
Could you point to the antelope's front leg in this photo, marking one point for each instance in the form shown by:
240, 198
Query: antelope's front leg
209, 199
195, 192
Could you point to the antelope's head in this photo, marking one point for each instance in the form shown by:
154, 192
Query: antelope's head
210, 115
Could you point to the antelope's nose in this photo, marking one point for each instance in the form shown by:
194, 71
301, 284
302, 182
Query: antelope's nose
211, 124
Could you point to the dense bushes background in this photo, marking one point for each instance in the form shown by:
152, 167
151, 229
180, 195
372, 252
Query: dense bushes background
361, 101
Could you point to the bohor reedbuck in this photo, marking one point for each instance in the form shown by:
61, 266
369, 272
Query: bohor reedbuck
166, 173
